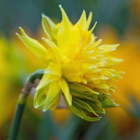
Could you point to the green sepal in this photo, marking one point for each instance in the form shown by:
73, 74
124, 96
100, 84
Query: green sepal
77, 110
97, 109
81, 89
108, 102
84, 105
82, 96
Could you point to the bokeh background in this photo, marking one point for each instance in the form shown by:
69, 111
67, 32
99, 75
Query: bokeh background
118, 22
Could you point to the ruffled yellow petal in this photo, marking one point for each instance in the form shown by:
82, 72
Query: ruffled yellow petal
71, 72
40, 96
93, 27
82, 23
64, 29
109, 48
86, 38
72, 45
54, 49
37, 48
52, 95
65, 89
54, 69
57, 100
89, 20
46, 79
49, 27
95, 44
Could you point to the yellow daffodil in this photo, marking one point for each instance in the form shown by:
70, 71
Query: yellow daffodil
77, 67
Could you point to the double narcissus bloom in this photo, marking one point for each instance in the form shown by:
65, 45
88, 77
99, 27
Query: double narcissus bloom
77, 67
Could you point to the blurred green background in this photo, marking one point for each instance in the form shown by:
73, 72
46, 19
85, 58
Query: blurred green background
28, 13
118, 22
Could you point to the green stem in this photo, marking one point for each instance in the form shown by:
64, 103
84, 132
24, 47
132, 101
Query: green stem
36, 75
18, 117
22, 102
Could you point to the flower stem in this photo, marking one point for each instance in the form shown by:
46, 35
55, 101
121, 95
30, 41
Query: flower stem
18, 116
22, 102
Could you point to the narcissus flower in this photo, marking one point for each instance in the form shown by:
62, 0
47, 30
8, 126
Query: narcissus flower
77, 67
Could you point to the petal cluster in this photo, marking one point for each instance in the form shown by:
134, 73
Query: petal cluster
78, 67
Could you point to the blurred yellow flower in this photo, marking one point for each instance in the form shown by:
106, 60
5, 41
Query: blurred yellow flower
78, 67
13, 59
5, 79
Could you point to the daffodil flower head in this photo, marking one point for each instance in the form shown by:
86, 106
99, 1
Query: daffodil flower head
78, 67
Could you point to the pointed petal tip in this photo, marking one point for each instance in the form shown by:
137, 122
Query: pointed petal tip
43, 110
97, 115
60, 5
117, 45
61, 8
16, 33
70, 103
95, 37
36, 107
45, 39
21, 30
117, 105
84, 13
43, 15
62, 11
93, 27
